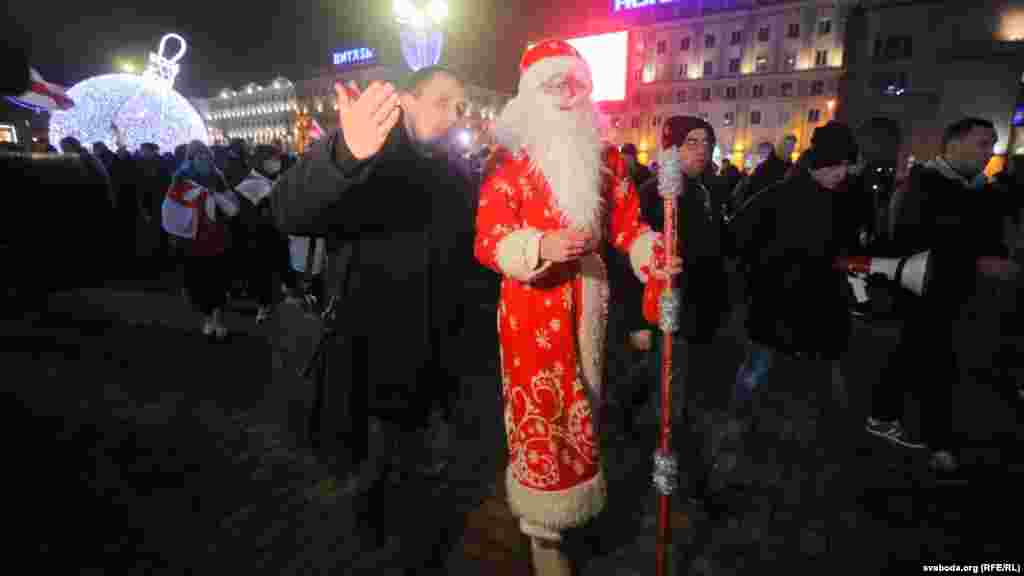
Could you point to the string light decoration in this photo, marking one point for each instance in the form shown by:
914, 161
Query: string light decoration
132, 109
420, 31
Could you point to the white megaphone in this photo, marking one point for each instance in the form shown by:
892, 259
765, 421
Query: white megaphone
911, 272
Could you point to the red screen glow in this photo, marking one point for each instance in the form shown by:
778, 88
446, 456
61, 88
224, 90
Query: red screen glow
606, 54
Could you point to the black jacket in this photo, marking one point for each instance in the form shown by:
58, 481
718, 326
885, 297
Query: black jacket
768, 173
410, 232
957, 224
703, 244
788, 237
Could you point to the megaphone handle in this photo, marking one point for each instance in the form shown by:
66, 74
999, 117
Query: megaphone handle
899, 270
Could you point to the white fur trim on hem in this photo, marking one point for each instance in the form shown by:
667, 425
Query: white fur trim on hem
641, 254
518, 255
553, 512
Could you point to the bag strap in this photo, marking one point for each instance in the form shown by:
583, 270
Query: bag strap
310, 255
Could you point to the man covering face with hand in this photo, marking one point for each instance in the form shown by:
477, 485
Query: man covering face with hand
395, 217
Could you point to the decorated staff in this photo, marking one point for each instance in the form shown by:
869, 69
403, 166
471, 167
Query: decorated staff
670, 187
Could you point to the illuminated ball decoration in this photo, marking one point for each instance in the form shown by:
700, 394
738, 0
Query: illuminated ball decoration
132, 109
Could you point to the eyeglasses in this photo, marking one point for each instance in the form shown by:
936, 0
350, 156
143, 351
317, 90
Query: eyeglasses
561, 84
694, 143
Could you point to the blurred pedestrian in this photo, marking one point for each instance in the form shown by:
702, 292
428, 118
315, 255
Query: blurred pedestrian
198, 205
262, 251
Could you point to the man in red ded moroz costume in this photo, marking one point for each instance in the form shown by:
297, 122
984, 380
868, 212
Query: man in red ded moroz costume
553, 197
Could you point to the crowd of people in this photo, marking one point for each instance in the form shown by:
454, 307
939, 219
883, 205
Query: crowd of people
572, 226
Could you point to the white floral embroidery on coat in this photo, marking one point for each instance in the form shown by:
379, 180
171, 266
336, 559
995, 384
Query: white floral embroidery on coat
527, 187
543, 340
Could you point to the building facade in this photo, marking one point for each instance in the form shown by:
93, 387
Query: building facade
257, 113
757, 70
927, 63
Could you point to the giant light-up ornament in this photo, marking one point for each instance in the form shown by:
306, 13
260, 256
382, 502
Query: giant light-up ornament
132, 109
420, 31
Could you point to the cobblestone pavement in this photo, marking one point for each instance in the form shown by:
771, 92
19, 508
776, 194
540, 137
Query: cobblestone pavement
138, 449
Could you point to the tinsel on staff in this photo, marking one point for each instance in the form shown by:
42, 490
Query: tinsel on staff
670, 187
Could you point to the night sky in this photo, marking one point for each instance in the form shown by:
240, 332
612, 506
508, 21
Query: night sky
233, 43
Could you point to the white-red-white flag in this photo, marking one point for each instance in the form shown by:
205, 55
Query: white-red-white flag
315, 131
45, 95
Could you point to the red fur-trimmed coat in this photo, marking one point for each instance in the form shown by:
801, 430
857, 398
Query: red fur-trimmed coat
551, 324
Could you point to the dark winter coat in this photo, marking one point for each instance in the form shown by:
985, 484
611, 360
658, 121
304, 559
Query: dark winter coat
788, 237
410, 235
958, 224
703, 245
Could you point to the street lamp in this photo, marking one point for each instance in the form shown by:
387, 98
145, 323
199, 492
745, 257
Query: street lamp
420, 29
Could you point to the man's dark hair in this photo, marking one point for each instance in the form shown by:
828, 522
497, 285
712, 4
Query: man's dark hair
961, 128
70, 145
879, 140
412, 83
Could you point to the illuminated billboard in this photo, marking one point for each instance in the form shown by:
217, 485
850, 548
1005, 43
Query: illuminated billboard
607, 56
625, 5
354, 57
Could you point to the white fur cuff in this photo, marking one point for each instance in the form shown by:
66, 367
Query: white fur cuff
641, 254
519, 255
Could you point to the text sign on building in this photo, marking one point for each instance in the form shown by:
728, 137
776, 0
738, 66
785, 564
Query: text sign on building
626, 5
354, 57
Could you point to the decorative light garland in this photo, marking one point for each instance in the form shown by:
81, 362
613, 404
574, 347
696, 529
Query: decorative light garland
132, 109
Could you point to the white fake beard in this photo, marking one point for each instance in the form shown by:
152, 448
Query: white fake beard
565, 145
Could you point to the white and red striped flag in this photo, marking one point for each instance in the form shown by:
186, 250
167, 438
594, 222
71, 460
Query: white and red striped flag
315, 131
43, 95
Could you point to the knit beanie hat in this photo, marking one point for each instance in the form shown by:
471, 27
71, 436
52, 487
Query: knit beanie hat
831, 145
677, 127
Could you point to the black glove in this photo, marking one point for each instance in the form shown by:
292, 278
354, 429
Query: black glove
882, 295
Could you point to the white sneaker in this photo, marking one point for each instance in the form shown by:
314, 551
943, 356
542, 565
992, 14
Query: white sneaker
263, 314
208, 326
893, 432
944, 461
219, 330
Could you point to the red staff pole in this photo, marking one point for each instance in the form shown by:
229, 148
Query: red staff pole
670, 186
